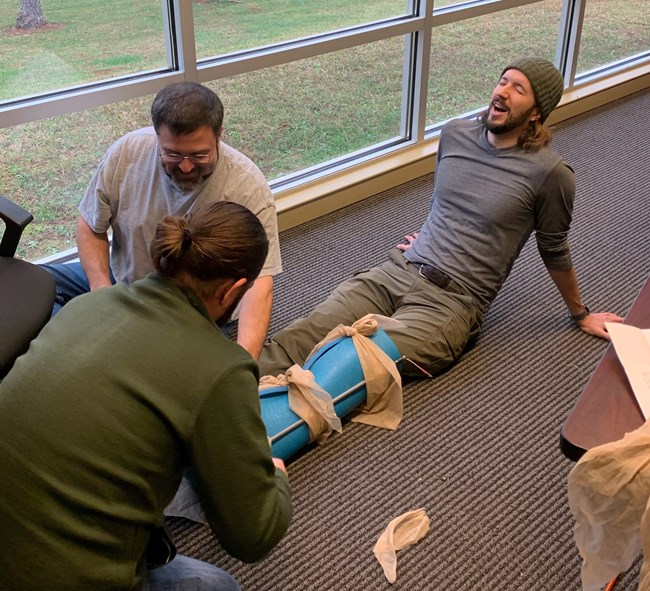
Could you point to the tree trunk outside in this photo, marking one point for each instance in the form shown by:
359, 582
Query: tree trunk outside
30, 15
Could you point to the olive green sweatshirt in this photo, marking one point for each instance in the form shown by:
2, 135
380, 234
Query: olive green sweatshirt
124, 389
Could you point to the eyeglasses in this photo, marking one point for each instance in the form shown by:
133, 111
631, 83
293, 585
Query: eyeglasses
171, 158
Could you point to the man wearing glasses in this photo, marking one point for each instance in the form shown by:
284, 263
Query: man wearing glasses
168, 169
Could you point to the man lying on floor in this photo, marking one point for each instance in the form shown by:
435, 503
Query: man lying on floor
496, 182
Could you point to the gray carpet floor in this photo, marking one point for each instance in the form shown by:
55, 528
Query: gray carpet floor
478, 447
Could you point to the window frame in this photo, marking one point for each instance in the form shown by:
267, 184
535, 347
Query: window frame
417, 25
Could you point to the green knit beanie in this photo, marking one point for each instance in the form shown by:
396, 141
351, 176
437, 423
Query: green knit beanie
546, 80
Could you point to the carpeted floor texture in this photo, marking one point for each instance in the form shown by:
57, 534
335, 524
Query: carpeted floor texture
478, 447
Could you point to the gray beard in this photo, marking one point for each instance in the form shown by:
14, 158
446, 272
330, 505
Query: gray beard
186, 186
181, 186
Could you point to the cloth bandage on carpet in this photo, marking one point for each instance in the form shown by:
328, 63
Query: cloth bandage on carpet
405, 530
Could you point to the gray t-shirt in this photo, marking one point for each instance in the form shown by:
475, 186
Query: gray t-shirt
486, 203
131, 193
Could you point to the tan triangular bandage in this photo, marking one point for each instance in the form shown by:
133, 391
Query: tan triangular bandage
383, 406
403, 531
308, 400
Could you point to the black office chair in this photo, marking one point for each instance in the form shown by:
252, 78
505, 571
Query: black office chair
26, 290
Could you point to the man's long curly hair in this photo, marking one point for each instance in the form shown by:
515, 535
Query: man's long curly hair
536, 135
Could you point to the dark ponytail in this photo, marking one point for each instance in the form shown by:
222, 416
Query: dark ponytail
218, 240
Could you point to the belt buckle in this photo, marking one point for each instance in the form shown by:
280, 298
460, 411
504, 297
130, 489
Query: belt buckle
434, 275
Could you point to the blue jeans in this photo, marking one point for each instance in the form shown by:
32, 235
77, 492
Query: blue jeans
70, 282
187, 574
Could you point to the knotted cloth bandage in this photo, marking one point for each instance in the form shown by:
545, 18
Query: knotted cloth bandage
308, 400
382, 381
384, 405
609, 496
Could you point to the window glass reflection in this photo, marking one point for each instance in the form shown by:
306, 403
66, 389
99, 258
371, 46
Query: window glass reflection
304, 113
45, 167
613, 30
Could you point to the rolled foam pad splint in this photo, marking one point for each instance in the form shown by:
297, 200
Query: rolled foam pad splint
337, 370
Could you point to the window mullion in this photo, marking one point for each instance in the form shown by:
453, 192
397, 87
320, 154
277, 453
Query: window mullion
183, 35
417, 56
568, 44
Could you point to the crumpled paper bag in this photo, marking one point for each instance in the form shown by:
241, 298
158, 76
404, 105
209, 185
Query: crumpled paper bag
403, 531
609, 494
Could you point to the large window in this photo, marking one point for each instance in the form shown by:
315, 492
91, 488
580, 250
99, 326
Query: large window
227, 26
613, 31
45, 166
309, 87
79, 43
301, 114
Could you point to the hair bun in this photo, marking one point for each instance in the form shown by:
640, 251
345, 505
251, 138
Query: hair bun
187, 238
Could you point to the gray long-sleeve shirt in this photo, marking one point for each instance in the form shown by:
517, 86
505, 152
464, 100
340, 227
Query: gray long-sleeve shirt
486, 203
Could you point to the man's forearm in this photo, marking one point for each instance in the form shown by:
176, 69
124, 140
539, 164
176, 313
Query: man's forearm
590, 322
94, 255
567, 284
255, 316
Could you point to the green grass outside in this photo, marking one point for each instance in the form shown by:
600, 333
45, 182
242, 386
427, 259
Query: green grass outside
286, 118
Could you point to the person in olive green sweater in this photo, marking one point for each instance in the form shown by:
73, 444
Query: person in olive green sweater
122, 391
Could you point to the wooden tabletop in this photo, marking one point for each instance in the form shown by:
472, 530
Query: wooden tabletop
607, 409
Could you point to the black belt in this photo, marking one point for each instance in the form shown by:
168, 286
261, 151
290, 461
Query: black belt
439, 278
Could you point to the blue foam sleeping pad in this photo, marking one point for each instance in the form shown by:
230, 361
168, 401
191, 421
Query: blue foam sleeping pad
337, 370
